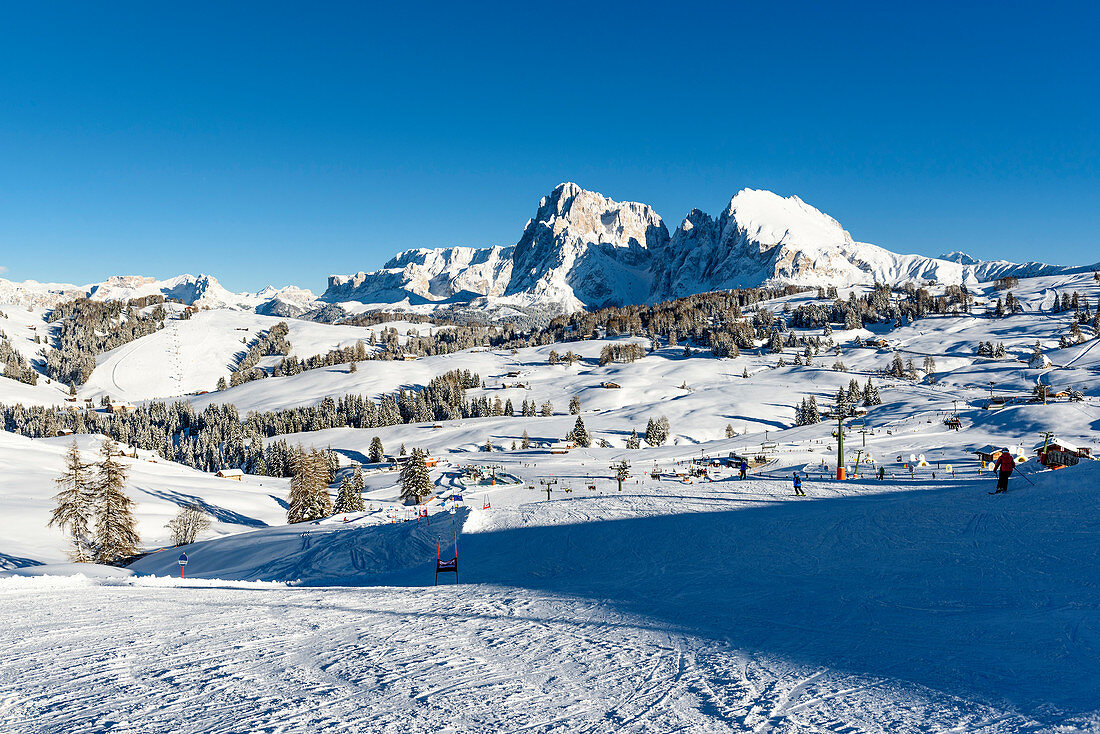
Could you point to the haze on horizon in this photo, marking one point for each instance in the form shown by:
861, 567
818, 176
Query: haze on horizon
264, 144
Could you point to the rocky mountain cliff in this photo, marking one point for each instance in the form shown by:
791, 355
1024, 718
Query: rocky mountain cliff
583, 250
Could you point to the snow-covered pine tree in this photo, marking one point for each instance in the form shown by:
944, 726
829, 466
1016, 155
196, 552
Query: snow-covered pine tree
664, 428
415, 482
75, 508
651, 433
575, 405
870, 395
579, 434
348, 498
729, 431
633, 442
812, 415
115, 528
375, 454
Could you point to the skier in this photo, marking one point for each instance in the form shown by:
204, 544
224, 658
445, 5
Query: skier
1005, 464
744, 467
798, 486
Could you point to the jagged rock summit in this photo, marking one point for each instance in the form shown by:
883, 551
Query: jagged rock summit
583, 250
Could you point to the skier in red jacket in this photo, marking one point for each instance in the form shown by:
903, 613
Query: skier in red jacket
1005, 464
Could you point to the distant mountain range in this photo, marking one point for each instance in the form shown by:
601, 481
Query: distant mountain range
583, 250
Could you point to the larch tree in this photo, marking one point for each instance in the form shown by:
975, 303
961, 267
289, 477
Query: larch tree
309, 498
187, 524
75, 504
116, 535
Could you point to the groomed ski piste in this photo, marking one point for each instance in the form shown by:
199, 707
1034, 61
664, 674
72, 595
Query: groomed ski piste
915, 603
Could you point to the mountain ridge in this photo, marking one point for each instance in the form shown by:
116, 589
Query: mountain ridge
583, 251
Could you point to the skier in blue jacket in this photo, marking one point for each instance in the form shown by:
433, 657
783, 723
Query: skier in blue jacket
798, 485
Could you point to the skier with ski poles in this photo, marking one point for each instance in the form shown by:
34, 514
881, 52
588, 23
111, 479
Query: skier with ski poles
798, 486
1005, 464
744, 467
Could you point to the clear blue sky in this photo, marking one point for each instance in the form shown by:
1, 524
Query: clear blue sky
277, 143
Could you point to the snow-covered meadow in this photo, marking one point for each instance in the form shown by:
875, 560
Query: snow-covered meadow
707, 603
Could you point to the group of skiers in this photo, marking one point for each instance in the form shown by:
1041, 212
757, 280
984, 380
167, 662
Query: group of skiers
1004, 465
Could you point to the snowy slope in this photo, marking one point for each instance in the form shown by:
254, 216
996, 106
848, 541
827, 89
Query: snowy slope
189, 356
159, 489
725, 606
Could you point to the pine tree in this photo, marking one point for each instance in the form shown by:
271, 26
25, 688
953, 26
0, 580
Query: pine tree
115, 532
357, 482
348, 498
579, 434
525, 441
575, 405
488, 445
376, 455
414, 480
74, 509
729, 431
632, 442
651, 433
813, 415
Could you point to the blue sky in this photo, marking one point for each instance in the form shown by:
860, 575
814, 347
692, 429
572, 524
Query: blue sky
278, 143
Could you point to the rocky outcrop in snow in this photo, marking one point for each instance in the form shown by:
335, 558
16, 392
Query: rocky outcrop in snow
428, 275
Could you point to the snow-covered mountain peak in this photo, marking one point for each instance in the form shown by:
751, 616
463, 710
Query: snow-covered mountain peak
767, 220
958, 257
584, 250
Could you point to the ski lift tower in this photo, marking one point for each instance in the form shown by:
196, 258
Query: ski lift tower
840, 414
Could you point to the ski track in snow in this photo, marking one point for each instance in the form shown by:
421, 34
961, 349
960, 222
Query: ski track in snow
464, 658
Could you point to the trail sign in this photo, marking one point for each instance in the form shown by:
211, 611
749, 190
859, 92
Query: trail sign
182, 562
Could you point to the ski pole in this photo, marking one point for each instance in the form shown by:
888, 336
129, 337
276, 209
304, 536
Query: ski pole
1025, 476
